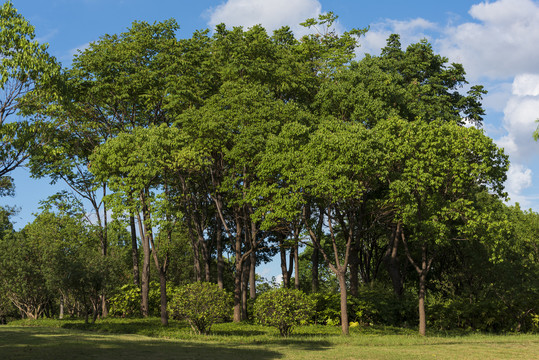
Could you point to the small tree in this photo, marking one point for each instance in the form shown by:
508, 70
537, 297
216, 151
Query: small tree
284, 308
201, 304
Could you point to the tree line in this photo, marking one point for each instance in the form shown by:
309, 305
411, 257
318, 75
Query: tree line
362, 174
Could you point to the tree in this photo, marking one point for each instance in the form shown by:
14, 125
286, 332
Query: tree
139, 168
72, 266
331, 167
414, 84
442, 168
113, 86
24, 66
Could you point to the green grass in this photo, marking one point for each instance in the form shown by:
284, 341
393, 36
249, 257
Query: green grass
145, 339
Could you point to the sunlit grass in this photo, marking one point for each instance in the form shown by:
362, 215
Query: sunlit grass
147, 339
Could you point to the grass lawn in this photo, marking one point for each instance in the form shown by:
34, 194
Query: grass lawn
146, 339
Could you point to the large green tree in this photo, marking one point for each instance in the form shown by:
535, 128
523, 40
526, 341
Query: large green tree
140, 168
442, 166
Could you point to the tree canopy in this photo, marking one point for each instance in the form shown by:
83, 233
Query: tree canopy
248, 144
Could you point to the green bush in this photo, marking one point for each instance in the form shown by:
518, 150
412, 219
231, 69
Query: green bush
374, 306
202, 304
126, 301
284, 309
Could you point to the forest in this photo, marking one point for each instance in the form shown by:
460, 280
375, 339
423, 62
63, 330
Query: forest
196, 160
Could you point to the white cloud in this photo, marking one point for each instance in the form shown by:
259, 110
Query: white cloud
518, 178
500, 44
526, 85
410, 31
520, 114
270, 14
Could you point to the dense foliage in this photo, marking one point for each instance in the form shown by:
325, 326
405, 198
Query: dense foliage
202, 158
284, 308
202, 304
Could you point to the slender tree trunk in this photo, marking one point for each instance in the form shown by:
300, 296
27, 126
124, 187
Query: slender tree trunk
315, 257
421, 296
392, 261
104, 306
354, 272
205, 256
163, 293
145, 280
296, 265
284, 270
314, 270
196, 252
252, 275
344, 305
422, 270
237, 291
220, 261
134, 251
244, 288
238, 274
95, 306
61, 315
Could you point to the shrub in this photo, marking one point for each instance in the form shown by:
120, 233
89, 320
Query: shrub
375, 305
126, 301
284, 309
201, 304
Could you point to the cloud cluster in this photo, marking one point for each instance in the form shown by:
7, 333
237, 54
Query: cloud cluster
501, 41
499, 46
270, 14
519, 178
410, 31
520, 114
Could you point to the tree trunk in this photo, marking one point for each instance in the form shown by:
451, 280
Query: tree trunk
296, 265
104, 249
207, 259
220, 261
284, 270
252, 275
244, 286
134, 251
344, 305
163, 292
237, 290
196, 252
145, 280
314, 270
392, 261
354, 271
315, 257
421, 295
61, 315
238, 273
422, 315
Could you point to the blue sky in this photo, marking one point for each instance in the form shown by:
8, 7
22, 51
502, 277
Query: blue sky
496, 41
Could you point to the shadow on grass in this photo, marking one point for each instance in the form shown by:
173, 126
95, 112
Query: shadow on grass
142, 326
47, 343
